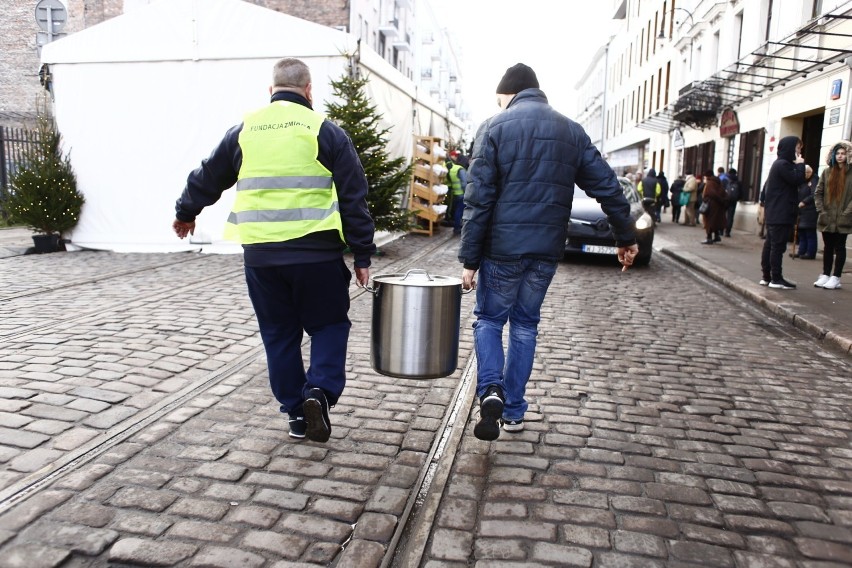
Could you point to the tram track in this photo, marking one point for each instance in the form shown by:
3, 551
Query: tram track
74, 460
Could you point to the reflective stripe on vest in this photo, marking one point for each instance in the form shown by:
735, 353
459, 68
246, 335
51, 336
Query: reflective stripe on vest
283, 191
453, 178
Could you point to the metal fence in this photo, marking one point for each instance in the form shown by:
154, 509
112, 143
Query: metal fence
14, 145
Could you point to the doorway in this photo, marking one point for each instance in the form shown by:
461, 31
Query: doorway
749, 163
812, 139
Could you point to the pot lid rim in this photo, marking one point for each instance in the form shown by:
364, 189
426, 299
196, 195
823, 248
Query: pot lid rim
399, 279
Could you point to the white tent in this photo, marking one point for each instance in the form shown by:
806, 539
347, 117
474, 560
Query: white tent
142, 98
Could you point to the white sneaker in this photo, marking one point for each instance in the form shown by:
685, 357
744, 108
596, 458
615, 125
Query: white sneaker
823, 278
833, 283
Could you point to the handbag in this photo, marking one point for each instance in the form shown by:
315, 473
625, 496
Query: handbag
705, 206
684, 199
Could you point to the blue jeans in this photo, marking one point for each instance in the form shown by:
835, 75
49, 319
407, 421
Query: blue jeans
509, 291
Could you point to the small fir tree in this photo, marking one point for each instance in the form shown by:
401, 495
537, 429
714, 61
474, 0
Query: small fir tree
44, 194
387, 178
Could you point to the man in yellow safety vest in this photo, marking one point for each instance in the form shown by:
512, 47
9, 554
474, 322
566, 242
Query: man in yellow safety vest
300, 201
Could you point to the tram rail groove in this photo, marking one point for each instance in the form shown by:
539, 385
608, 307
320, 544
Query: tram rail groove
72, 461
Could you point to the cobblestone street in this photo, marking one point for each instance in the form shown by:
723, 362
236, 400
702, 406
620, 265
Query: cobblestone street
672, 423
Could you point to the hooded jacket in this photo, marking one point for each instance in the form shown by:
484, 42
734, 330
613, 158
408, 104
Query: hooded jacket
782, 184
649, 187
835, 216
520, 187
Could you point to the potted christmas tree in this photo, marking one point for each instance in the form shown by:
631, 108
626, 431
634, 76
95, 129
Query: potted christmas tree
43, 193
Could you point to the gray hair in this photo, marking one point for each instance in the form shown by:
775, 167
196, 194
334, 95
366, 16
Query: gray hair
290, 74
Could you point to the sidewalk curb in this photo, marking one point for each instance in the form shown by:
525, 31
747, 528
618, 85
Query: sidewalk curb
791, 312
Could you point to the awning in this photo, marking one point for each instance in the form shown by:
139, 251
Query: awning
816, 45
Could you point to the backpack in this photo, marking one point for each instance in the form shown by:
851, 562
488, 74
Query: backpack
733, 191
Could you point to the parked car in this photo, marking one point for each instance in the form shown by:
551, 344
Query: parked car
589, 231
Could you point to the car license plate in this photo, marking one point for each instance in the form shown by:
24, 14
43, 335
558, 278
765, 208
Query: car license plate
597, 249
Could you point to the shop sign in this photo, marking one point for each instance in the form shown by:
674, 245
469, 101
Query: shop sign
729, 125
677, 139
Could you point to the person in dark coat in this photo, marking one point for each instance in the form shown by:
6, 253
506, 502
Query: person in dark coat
734, 191
650, 189
781, 205
663, 199
807, 217
715, 218
526, 160
676, 190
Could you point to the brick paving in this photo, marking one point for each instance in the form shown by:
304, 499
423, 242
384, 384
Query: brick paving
215, 481
670, 425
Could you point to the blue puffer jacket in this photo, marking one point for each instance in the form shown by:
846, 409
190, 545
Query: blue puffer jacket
521, 179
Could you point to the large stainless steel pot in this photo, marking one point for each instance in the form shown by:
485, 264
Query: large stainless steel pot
415, 332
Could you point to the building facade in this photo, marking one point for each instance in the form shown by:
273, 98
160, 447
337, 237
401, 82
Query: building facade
694, 85
423, 53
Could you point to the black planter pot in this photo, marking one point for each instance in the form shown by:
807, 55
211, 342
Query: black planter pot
46, 243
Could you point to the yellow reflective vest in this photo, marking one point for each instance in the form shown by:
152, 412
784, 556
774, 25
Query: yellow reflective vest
453, 170
283, 191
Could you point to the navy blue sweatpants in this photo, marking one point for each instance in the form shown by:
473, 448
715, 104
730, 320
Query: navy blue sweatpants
288, 300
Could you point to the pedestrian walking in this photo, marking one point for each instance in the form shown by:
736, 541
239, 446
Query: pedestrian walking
690, 187
650, 189
715, 208
733, 191
807, 223
676, 191
526, 160
301, 200
663, 199
833, 200
457, 180
781, 204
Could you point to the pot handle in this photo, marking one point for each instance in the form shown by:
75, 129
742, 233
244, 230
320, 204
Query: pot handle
373, 291
418, 271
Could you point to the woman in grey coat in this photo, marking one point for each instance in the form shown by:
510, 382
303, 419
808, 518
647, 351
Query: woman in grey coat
833, 199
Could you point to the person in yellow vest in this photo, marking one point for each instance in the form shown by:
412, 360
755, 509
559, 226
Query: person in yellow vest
650, 189
300, 201
456, 180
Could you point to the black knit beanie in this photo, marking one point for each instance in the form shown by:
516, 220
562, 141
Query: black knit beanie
517, 78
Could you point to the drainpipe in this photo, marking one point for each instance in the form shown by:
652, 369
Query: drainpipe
847, 127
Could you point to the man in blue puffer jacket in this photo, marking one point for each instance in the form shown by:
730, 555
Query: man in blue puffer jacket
525, 163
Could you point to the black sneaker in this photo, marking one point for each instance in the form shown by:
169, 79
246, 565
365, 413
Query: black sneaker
490, 412
782, 285
298, 427
315, 407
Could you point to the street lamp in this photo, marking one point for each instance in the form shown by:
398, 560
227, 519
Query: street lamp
662, 34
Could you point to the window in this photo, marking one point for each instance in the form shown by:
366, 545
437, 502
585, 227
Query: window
816, 10
768, 19
738, 29
714, 53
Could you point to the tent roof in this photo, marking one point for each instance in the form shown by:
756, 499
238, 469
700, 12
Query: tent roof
182, 30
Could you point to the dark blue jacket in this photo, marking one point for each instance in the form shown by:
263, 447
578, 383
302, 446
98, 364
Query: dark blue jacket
808, 213
781, 198
525, 163
219, 172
